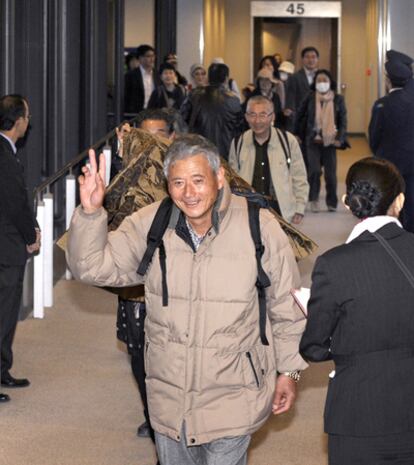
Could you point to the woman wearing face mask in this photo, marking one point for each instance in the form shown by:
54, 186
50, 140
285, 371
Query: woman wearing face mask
321, 125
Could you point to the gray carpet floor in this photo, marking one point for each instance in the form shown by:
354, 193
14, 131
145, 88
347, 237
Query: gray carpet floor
83, 408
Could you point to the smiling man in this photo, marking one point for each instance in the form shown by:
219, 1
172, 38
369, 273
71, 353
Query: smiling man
210, 381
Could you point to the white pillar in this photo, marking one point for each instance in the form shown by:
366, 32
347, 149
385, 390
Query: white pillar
47, 244
70, 207
38, 308
108, 158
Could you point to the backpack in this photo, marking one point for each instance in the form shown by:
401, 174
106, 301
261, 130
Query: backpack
155, 240
283, 139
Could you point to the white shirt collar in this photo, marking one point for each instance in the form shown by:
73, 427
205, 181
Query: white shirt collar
371, 224
10, 142
394, 89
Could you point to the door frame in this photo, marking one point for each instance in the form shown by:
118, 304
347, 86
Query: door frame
306, 9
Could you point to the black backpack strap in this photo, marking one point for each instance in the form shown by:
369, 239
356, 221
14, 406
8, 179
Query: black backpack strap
284, 142
238, 144
154, 241
262, 281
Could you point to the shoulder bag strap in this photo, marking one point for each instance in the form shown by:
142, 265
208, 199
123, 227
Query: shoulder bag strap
396, 258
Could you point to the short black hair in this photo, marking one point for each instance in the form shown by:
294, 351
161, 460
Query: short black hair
165, 66
156, 114
12, 107
218, 73
143, 49
328, 73
309, 49
130, 57
372, 185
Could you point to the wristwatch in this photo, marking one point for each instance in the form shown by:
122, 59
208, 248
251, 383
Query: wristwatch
295, 375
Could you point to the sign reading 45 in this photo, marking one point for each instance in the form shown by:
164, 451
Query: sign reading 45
296, 8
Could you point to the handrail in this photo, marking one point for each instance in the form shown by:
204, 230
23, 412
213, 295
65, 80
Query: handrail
69, 166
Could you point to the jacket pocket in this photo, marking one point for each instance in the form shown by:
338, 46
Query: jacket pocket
256, 372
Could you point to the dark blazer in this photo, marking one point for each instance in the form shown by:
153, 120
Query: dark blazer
297, 89
391, 128
305, 122
361, 315
134, 90
17, 223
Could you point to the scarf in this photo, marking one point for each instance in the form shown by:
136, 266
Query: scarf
324, 117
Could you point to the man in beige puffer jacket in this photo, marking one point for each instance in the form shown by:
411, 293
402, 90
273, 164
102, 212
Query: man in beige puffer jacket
210, 381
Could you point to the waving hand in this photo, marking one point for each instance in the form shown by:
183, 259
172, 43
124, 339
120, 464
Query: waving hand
91, 183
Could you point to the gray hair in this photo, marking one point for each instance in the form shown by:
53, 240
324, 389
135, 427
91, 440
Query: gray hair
260, 99
190, 145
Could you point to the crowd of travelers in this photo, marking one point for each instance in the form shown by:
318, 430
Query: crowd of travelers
303, 103
216, 338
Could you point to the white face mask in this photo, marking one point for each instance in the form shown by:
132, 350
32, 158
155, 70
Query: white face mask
323, 87
283, 76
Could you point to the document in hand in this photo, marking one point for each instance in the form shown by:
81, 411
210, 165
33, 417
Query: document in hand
301, 297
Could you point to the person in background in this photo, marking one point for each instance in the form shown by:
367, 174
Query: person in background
286, 70
278, 57
269, 63
198, 76
140, 82
19, 231
271, 161
232, 84
172, 59
266, 86
321, 126
131, 62
391, 133
213, 111
301, 81
132, 310
168, 94
360, 315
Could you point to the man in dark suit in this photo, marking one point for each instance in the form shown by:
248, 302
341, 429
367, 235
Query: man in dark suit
140, 82
300, 82
391, 126
19, 235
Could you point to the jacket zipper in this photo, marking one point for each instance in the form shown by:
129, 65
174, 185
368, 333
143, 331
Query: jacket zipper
249, 356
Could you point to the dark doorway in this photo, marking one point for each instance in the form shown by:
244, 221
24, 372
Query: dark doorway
288, 36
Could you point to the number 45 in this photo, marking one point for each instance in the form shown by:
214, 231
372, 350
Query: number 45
298, 8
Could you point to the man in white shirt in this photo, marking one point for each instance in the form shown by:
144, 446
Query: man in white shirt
140, 82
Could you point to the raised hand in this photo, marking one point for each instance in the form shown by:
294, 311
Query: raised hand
92, 184
120, 133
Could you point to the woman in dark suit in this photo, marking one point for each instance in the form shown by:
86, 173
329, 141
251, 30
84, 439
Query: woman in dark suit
361, 315
321, 125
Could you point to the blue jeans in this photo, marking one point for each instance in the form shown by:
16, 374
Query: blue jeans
225, 451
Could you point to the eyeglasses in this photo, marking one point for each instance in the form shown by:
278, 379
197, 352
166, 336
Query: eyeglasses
259, 116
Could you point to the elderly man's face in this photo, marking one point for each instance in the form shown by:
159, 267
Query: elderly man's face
193, 186
260, 117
